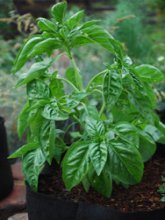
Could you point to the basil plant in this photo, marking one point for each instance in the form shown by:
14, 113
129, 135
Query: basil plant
110, 140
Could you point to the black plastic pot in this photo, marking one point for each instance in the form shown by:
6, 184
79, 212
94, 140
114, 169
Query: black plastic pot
44, 207
6, 179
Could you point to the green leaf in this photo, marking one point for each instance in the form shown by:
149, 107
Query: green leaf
33, 163
125, 163
47, 139
112, 88
155, 133
60, 148
149, 73
70, 75
46, 25
98, 155
23, 55
75, 164
22, 121
103, 183
103, 38
147, 147
45, 46
37, 70
59, 10
75, 19
37, 89
57, 88
52, 111
24, 150
94, 128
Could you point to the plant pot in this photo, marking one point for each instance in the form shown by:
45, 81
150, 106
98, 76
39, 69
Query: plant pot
6, 179
42, 207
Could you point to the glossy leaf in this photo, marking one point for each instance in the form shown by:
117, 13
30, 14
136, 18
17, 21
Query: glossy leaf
98, 155
75, 164
47, 138
33, 163
94, 128
125, 163
23, 150
22, 121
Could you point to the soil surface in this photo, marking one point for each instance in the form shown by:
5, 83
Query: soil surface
141, 197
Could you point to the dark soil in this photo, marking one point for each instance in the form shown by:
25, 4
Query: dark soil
141, 197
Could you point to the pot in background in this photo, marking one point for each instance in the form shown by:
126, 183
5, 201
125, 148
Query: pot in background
6, 179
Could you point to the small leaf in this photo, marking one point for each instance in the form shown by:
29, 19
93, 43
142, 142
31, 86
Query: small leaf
94, 128
53, 112
75, 19
112, 87
98, 155
33, 163
46, 25
75, 164
155, 133
59, 10
149, 73
23, 150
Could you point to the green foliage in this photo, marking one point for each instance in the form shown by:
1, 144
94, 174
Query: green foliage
107, 137
161, 190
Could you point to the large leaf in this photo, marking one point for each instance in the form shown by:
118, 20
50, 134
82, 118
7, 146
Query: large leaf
24, 150
59, 10
149, 73
98, 155
112, 87
33, 163
57, 88
22, 121
103, 183
45, 46
155, 133
75, 164
36, 71
37, 89
24, 52
147, 147
103, 38
47, 139
125, 163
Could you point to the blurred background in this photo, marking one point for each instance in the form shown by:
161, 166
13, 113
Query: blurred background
138, 24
